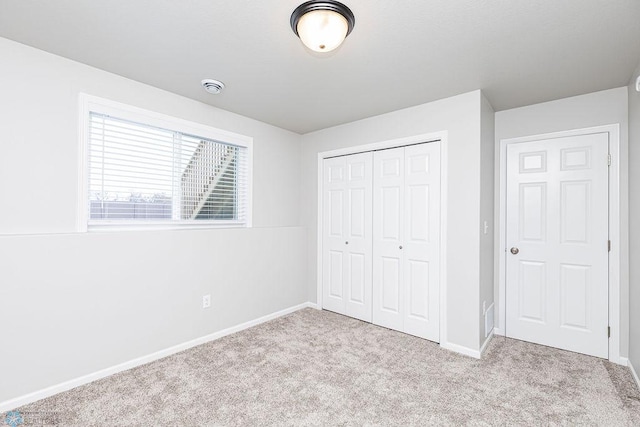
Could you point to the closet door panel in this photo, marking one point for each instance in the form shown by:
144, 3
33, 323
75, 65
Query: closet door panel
359, 246
334, 230
388, 229
421, 241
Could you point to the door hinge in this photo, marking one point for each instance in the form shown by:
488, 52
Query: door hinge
608, 159
609, 245
609, 331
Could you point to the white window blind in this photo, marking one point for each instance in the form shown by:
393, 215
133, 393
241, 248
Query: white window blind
144, 174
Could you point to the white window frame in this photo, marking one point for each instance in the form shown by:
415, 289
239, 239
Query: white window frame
90, 103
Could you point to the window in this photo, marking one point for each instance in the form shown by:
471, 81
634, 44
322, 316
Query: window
146, 169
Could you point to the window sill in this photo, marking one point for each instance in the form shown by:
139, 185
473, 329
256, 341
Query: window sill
120, 227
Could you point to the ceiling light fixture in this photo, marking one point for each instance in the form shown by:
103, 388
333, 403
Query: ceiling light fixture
322, 25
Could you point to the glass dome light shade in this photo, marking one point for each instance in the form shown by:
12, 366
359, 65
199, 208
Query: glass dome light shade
322, 30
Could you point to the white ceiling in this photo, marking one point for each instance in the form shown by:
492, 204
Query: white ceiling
401, 52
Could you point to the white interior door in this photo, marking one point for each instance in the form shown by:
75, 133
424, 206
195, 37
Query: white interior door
347, 240
406, 248
557, 243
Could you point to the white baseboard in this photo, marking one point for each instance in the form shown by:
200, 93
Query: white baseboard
486, 342
461, 349
634, 373
498, 331
476, 354
314, 306
85, 379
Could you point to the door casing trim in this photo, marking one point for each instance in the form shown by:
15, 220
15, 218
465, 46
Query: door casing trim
617, 244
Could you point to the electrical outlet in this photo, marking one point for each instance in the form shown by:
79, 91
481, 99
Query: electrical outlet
206, 301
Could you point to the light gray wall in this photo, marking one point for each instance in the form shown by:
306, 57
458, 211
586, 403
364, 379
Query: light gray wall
594, 109
460, 116
75, 303
487, 190
634, 225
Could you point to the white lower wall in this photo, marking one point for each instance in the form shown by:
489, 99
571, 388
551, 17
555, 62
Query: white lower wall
78, 303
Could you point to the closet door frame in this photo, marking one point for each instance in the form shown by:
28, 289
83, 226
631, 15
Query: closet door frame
440, 137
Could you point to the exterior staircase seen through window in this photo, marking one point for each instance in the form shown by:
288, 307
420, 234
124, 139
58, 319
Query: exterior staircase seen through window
209, 190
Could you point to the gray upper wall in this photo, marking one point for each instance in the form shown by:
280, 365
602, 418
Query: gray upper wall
40, 147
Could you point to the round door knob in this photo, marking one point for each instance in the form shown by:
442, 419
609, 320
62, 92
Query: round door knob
400, 247
515, 250
346, 243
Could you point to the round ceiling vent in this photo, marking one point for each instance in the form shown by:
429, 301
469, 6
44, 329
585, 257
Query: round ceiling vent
212, 86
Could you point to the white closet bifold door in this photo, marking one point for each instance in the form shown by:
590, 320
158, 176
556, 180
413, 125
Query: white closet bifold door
347, 236
406, 239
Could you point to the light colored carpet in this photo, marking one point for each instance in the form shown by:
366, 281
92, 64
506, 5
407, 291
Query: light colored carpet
319, 368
